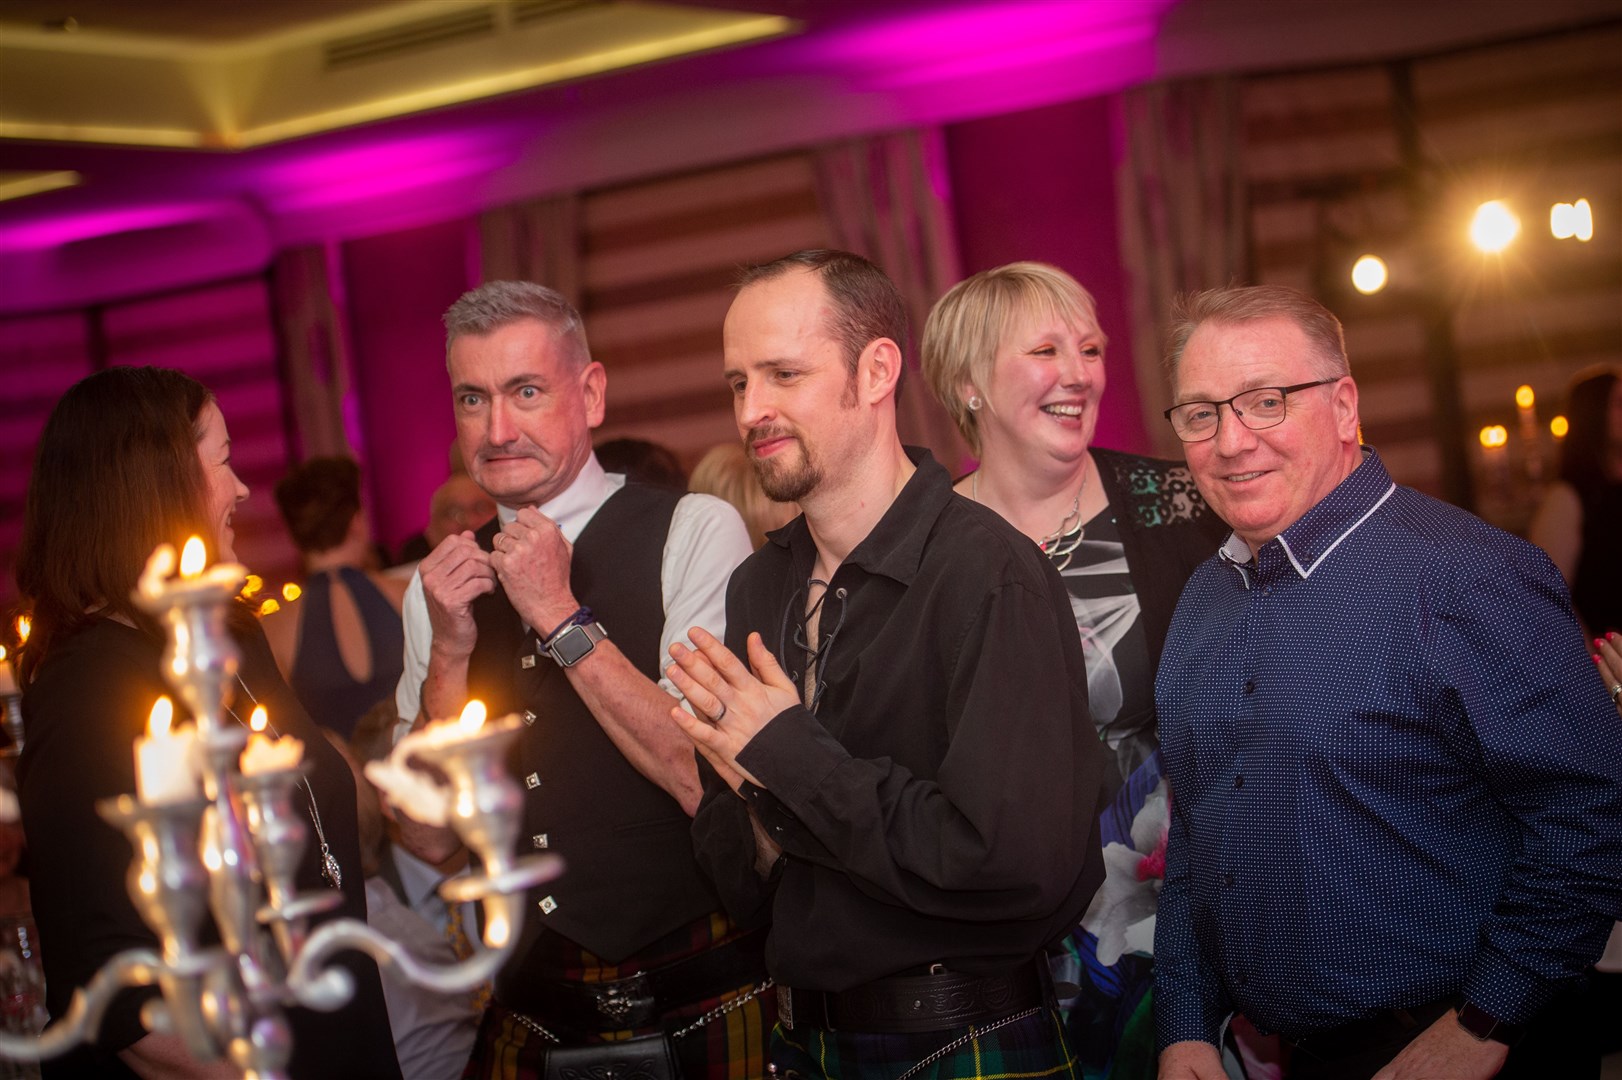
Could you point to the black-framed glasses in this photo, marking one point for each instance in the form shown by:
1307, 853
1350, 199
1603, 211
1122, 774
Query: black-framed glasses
1196, 421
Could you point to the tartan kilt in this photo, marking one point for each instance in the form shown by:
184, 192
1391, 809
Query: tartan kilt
1030, 1047
730, 1047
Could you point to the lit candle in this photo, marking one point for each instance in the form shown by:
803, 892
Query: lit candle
446, 732
266, 754
412, 791
165, 766
8, 682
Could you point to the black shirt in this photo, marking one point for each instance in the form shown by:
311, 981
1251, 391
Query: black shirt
83, 712
940, 804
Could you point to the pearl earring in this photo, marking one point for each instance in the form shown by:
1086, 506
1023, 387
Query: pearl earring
974, 403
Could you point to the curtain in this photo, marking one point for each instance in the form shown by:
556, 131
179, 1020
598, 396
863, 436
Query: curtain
1181, 194
314, 355
537, 241
887, 198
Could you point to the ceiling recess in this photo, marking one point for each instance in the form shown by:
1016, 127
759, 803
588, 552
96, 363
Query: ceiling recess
419, 34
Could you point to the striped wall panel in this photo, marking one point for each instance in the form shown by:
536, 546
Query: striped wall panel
659, 259
42, 356
222, 336
1329, 178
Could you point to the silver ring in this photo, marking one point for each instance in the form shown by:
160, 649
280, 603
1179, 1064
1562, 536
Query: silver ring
716, 719
1615, 691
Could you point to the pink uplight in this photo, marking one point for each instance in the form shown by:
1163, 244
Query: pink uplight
68, 228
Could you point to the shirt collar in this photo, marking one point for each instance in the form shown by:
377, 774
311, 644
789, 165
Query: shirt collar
573, 507
895, 547
1309, 541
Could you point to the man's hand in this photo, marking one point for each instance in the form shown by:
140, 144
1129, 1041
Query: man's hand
1445, 1049
733, 702
1191, 1060
531, 559
454, 574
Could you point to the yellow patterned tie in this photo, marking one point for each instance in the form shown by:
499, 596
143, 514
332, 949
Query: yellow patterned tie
462, 946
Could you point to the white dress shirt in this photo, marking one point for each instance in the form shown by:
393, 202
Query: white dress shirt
706, 542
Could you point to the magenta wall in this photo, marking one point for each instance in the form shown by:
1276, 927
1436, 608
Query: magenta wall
398, 285
1039, 184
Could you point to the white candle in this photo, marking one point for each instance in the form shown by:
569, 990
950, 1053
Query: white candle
265, 753
165, 760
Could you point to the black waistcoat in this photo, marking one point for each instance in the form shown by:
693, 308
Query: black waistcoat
631, 876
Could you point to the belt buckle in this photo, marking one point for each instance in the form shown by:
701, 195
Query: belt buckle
785, 1007
626, 1002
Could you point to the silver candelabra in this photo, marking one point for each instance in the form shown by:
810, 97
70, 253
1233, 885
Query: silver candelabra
233, 851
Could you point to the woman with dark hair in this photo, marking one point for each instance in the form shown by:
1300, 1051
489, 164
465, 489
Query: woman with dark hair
1581, 516
131, 458
341, 644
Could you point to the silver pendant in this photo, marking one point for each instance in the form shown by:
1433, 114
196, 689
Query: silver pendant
330, 868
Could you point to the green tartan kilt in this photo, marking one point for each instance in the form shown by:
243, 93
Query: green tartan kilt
1031, 1046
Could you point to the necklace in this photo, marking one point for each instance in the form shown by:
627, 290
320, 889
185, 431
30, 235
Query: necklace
329, 862
1060, 544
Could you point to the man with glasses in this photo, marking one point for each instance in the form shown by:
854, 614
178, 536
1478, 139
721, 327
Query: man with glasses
1396, 833
898, 758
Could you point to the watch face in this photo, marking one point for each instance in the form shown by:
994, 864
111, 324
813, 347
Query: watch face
573, 646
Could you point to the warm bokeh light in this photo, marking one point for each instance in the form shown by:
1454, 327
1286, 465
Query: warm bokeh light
260, 719
1568, 220
1524, 397
269, 607
25, 626
163, 714
193, 558
473, 716
2, 654
496, 931
1494, 436
1495, 227
1369, 274
1559, 426
252, 586
291, 592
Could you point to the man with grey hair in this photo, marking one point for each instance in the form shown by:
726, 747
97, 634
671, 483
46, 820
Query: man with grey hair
1396, 829
561, 610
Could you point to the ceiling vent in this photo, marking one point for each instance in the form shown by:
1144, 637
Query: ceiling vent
525, 12
347, 52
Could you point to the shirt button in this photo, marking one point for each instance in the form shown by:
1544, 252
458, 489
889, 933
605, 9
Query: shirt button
532, 781
1239, 781
1227, 879
1250, 686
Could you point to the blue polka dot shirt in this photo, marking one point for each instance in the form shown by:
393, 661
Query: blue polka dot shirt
1395, 774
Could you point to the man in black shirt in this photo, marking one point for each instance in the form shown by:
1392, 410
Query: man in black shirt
896, 750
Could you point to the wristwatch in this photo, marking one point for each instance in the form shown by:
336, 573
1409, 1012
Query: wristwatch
574, 643
1482, 1025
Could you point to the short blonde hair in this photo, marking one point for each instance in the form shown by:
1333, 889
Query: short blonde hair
724, 471
968, 325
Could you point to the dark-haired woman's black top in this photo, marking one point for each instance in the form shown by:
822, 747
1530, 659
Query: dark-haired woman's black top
1596, 587
89, 701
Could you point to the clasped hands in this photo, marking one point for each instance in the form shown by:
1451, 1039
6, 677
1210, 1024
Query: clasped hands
530, 561
732, 702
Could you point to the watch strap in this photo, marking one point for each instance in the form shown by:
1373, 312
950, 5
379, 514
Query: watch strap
1482, 1025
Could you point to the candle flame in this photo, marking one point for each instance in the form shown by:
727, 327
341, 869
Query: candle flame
25, 626
259, 719
473, 716
291, 592
251, 587
163, 714
1494, 435
192, 558
2, 652
496, 931
1559, 426
1524, 398
270, 606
